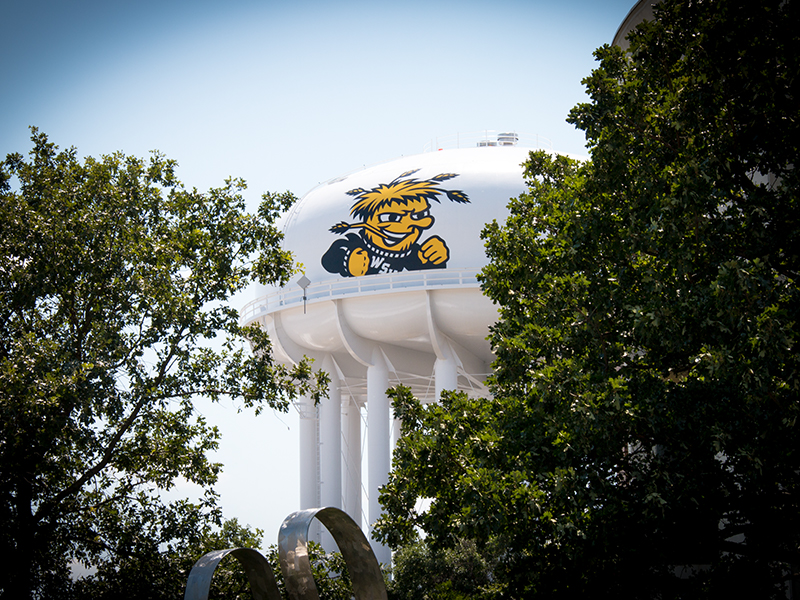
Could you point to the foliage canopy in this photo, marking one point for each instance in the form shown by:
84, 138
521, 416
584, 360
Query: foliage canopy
114, 279
460, 572
643, 432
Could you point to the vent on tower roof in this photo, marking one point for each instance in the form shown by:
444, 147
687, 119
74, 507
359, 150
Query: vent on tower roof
507, 139
503, 139
487, 137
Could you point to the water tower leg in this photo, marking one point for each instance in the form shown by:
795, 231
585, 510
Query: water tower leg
308, 454
352, 460
330, 455
397, 425
446, 375
378, 443
309, 459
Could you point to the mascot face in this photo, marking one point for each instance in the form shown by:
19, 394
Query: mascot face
390, 219
397, 225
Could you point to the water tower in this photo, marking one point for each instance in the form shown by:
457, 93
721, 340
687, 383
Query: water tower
389, 295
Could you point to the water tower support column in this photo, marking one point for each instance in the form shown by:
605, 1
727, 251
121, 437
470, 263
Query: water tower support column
330, 454
309, 469
352, 460
446, 374
378, 442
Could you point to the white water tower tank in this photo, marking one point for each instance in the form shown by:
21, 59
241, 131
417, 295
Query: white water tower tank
390, 255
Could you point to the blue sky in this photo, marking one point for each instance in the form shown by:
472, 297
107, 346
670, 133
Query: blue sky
287, 95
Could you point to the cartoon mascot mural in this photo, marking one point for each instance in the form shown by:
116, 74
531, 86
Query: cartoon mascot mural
392, 218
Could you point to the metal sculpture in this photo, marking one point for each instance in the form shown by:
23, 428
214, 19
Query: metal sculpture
365, 572
363, 567
259, 573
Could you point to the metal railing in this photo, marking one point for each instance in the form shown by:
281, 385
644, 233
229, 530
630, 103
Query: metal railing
359, 286
488, 137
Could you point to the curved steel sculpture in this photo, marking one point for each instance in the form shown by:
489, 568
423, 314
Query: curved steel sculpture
365, 572
259, 573
363, 567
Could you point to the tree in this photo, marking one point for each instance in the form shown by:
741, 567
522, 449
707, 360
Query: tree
642, 438
114, 280
420, 572
154, 573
